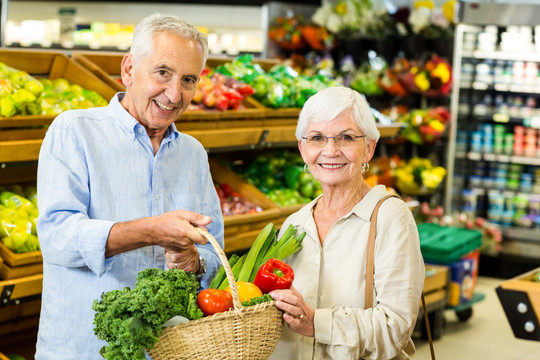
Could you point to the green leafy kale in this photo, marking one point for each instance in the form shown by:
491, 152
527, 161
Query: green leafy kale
257, 300
131, 320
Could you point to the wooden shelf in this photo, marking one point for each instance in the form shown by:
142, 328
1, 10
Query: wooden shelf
211, 137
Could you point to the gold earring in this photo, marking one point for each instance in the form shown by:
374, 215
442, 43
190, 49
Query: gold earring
365, 168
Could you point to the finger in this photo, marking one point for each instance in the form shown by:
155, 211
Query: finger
195, 218
196, 237
288, 308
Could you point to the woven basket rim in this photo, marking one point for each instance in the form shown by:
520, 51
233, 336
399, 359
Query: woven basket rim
245, 310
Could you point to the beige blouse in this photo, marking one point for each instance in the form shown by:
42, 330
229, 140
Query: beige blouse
331, 279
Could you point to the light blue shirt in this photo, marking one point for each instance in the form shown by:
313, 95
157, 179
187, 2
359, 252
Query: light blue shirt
97, 167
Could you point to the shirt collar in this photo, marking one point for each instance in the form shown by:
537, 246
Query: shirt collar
365, 207
129, 124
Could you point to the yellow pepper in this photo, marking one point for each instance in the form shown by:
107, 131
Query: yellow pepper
448, 9
421, 81
424, 3
441, 71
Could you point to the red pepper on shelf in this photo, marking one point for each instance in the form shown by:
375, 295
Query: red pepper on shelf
274, 274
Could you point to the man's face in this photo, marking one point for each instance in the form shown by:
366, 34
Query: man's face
160, 87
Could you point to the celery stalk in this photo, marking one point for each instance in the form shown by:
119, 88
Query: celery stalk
235, 270
253, 252
220, 275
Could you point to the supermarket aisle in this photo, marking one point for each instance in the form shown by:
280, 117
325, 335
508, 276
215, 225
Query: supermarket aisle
485, 336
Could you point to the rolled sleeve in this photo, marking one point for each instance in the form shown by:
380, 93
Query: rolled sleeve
323, 328
92, 241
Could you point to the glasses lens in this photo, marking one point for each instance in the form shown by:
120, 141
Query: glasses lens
316, 140
345, 140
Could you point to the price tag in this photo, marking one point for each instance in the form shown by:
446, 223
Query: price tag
533, 122
501, 118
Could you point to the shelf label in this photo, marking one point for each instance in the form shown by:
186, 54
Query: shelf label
501, 118
533, 122
474, 156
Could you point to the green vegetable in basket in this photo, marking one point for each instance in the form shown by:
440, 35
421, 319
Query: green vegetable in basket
131, 320
257, 300
265, 246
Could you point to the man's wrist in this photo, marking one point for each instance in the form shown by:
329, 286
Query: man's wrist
202, 267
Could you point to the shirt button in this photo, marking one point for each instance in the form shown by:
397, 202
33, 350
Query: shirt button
156, 196
140, 130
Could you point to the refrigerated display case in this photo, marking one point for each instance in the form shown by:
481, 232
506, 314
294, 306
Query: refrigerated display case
494, 148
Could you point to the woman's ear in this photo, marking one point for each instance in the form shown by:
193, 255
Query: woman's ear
370, 149
127, 70
300, 147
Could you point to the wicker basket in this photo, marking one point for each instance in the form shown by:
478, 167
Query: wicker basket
241, 333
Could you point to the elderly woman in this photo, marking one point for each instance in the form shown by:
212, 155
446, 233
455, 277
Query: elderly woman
325, 310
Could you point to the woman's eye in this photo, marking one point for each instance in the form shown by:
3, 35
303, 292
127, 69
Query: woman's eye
317, 138
345, 137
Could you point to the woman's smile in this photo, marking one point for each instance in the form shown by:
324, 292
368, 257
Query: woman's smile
331, 166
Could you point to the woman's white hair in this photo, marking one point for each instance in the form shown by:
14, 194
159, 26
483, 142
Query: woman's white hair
142, 44
329, 103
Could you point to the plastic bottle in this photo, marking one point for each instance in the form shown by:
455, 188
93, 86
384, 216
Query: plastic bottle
67, 26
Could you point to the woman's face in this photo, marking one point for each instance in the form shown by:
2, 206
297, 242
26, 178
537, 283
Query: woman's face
162, 85
332, 164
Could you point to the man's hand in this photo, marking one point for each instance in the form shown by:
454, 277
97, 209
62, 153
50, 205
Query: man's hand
175, 231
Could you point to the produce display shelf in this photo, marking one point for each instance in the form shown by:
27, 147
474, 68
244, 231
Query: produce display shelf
22, 310
8, 272
53, 65
242, 229
13, 259
211, 136
21, 136
105, 65
15, 291
20, 150
18, 325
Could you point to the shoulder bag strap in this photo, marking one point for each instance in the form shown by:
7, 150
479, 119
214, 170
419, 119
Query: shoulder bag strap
369, 270
371, 252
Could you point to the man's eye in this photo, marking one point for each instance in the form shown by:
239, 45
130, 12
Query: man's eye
162, 72
345, 137
190, 82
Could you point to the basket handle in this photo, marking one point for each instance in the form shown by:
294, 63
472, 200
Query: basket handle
225, 262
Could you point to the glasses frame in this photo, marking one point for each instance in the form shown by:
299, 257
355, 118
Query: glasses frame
333, 138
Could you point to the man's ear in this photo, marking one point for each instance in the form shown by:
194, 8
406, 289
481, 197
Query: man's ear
127, 70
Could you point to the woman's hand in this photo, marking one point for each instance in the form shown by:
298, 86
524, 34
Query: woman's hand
298, 315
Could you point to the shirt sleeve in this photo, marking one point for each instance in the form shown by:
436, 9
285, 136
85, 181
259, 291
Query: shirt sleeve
67, 236
383, 331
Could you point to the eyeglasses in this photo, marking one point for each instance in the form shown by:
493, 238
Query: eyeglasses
340, 140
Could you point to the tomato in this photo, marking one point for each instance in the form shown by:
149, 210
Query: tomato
212, 301
246, 290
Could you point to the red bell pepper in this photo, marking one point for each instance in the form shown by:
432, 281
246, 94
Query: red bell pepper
274, 274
